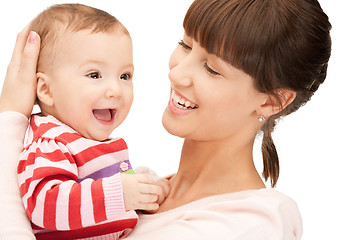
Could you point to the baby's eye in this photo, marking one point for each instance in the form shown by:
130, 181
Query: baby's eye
210, 71
94, 75
184, 45
125, 76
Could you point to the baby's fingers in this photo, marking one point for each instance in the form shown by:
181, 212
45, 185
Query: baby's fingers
144, 178
150, 207
165, 185
148, 198
150, 189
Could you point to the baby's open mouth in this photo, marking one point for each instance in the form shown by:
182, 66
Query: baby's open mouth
104, 114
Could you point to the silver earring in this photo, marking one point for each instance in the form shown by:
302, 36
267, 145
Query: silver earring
261, 118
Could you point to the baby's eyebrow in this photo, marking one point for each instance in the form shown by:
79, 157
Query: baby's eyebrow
131, 66
92, 61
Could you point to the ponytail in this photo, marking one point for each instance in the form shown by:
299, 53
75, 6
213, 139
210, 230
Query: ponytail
269, 153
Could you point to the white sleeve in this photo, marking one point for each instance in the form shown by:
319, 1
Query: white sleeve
14, 223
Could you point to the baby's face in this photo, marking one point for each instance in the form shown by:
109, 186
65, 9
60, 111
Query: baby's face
91, 82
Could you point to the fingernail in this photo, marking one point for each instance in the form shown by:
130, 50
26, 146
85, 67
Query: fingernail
32, 37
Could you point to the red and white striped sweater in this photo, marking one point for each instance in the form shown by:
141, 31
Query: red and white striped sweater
70, 185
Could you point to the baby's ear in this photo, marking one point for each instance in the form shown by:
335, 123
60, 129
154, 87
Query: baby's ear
274, 105
43, 89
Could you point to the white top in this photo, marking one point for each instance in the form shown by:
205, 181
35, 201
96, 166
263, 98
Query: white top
247, 215
254, 214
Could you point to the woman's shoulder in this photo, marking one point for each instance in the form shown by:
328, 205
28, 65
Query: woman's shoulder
256, 197
256, 203
263, 200
267, 209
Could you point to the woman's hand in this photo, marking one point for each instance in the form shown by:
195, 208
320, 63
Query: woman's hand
19, 89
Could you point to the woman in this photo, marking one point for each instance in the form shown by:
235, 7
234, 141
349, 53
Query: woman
240, 66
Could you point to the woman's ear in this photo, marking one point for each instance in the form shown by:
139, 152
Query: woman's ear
274, 105
43, 89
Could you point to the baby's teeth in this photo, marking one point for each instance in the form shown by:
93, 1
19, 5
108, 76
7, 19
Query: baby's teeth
192, 105
187, 104
182, 101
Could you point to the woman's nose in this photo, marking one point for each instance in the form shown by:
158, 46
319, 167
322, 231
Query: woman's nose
181, 69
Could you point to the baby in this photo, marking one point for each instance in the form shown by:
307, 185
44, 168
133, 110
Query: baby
75, 182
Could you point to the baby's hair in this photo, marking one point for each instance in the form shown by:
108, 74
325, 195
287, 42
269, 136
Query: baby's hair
280, 44
58, 18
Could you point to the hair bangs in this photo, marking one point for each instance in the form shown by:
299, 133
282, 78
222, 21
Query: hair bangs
246, 34
228, 30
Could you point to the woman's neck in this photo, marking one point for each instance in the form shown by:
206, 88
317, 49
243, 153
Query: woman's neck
212, 168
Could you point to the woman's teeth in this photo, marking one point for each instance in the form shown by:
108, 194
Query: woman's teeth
181, 102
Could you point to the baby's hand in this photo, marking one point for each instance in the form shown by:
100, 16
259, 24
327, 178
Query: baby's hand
165, 186
141, 192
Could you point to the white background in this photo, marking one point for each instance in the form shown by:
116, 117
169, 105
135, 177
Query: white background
318, 146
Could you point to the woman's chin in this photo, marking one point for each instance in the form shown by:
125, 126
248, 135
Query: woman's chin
166, 124
172, 126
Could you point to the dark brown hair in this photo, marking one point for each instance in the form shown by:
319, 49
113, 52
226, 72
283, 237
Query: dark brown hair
281, 44
58, 18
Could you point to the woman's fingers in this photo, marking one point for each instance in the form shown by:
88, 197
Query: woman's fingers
19, 89
21, 40
30, 54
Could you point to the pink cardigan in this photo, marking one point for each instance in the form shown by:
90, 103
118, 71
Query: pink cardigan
248, 215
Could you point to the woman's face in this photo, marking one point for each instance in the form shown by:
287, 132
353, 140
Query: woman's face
210, 99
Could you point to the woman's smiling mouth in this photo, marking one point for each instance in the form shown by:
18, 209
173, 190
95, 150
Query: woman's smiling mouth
181, 102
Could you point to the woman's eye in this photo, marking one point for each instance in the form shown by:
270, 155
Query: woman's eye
94, 75
209, 70
184, 45
125, 76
